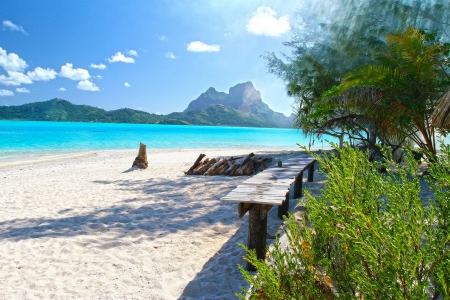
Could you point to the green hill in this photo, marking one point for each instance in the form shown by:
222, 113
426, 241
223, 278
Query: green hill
63, 110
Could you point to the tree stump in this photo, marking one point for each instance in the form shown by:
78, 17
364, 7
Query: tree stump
141, 160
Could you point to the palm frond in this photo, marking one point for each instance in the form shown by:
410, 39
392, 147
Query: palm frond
441, 115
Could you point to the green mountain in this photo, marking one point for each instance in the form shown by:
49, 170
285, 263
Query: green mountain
244, 98
63, 110
241, 107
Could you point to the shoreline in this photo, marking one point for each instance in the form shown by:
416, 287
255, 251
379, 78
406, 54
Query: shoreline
88, 225
48, 156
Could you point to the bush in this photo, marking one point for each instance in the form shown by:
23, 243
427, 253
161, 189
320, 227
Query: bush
370, 236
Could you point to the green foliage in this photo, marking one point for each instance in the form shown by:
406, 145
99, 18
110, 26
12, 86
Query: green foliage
369, 235
352, 33
409, 76
62, 110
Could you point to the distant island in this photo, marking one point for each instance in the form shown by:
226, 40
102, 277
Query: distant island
242, 106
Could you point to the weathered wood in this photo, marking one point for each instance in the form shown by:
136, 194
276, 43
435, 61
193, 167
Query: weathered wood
243, 208
246, 168
298, 185
213, 169
264, 210
284, 207
247, 158
234, 169
201, 170
200, 166
257, 229
196, 163
269, 186
141, 160
220, 170
311, 172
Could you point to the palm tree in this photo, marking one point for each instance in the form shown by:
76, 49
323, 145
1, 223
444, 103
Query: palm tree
408, 78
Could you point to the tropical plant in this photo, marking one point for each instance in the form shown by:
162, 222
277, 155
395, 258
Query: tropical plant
408, 78
368, 236
351, 32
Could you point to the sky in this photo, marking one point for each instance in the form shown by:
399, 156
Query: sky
153, 55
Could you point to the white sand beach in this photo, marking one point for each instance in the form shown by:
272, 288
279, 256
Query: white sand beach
87, 226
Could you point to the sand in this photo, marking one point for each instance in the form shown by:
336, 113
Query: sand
87, 226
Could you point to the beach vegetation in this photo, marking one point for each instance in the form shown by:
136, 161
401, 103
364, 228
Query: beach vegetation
338, 73
369, 235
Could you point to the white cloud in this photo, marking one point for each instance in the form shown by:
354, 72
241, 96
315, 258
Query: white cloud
11, 61
161, 37
99, 66
170, 55
119, 57
62, 89
132, 53
126, 84
139, 108
99, 76
4, 93
198, 46
22, 90
87, 85
15, 78
264, 22
40, 74
11, 26
68, 71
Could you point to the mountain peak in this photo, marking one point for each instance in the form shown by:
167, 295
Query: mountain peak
243, 97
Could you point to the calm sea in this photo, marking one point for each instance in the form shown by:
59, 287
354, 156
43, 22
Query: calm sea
29, 138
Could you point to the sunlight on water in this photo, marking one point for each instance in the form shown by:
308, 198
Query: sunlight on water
27, 138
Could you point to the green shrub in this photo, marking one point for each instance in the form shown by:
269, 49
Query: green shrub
369, 236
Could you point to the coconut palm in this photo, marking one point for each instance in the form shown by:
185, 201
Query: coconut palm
408, 79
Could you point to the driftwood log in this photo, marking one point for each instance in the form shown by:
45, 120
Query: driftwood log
141, 160
229, 166
195, 165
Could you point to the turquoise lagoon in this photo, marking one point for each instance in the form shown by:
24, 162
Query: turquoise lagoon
29, 138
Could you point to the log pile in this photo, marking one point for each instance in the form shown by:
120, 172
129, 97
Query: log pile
229, 166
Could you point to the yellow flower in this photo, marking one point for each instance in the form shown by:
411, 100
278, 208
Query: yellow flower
307, 255
305, 245
310, 268
345, 248
328, 280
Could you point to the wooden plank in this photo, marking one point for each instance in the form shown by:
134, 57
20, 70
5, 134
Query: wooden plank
270, 185
243, 208
256, 201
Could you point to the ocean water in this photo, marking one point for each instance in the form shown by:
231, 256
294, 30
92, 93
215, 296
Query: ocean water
30, 138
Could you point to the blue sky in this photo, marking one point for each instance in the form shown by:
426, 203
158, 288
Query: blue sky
151, 55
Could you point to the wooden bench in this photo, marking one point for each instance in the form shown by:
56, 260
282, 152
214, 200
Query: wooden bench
260, 193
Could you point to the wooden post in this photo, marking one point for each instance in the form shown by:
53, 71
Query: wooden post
284, 207
311, 173
257, 229
298, 185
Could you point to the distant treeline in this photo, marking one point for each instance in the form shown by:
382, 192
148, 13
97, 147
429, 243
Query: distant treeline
62, 110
